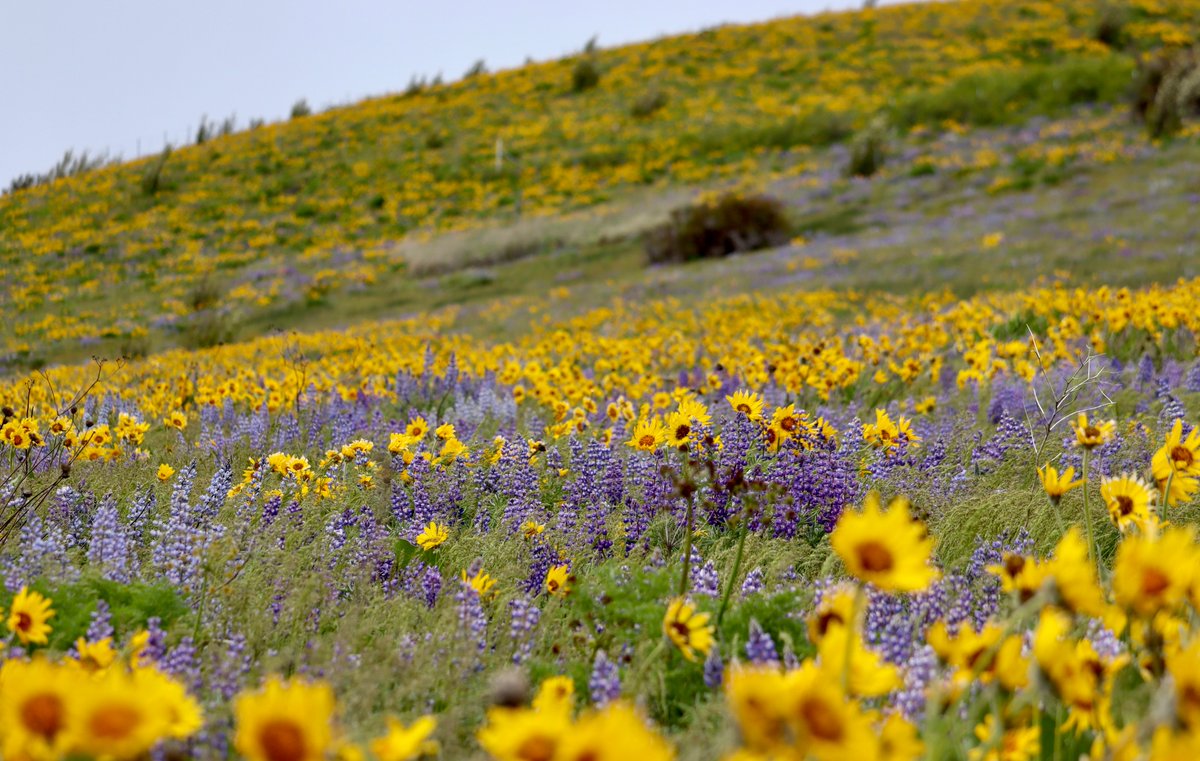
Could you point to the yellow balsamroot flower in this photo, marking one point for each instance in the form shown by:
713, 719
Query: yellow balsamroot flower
116, 715
284, 720
754, 696
399, 442
899, 741
523, 733
615, 732
746, 403
530, 529
687, 629
176, 419
183, 712
1153, 572
555, 695
403, 743
1016, 743
867, 674
648, 435
679, 430
886, 548
1177, 456
434, 535
1055, 484
417, 428
1075, 575
1128, 499
985, 654
1090, 435
36, 704
836, 608
445, 431
28, 616
164, 473
95, 656
558, 581
481, 582
1184, 667
824, 723
1019, 575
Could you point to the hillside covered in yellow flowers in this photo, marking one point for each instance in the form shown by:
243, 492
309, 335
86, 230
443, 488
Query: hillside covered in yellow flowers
257, 228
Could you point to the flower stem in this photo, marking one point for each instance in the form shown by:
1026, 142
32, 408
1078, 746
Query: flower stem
687, 547
1166, 495
737, 567
1087, 517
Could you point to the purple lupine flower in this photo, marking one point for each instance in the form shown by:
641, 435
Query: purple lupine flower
110, 551
753, 584
431, 585
525, 616
714, 669
472, 620
760, 648
705, 580
919, 673
605, 682
181, 662
100, 623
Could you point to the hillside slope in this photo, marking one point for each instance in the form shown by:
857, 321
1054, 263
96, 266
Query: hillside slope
176, 249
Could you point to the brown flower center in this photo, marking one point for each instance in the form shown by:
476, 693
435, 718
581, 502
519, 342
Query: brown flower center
875, 558
24, 621
646, 441
743, 407
1154, 582
1181, 456
114, 722
1124, 505
822, 720
282, 740
682, 431
536, 748
42, 715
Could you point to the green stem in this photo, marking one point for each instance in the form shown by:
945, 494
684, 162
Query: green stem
1167, 495
849, 627
687, 548
737, 567
1087, 517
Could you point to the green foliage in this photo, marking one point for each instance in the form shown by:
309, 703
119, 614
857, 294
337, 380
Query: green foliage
1166, 91
1112, 25
300, 109
1005, 97
131, 606
868, 151
732, 224
152, 178
818, 128
648, 102
585, 75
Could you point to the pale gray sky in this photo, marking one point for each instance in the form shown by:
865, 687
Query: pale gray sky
112, 75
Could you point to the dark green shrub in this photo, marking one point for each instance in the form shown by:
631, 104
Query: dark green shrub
585, 75
648, 102
477, 68
152, 178
868, 151
1111, 26
731, 224
1166, 91
300, 109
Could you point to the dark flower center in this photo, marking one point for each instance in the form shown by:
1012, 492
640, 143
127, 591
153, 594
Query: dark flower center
875, 558
42, 715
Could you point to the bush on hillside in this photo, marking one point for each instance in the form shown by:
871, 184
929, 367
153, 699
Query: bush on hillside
1111, 26
300, 109
585, 75
728, 225
868, 151
648, 102
1166, 91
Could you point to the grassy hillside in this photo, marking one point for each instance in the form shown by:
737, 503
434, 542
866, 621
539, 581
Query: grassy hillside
255, 227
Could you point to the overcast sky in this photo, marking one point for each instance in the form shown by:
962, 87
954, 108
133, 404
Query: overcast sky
118, 75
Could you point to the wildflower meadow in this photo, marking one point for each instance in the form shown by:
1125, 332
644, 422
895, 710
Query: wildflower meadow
377, 456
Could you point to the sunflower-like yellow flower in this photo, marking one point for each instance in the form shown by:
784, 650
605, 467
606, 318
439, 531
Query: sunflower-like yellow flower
1056, 484
36, 703
614, 733
1128, 499
28, 616
118, 715
183, 713
1090, 435
530, 529
95, 656
825, 724
523, 733
417, 428
867, 674
1153, 572
558, 581
886, 433
176, 419
1177, 456
284, 720
836, 608
687, 629
403, 743
886, 548
746, 403
754, 696
164, 473
648, 435
481, 582
434, 535
1019, 575
1075, 575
